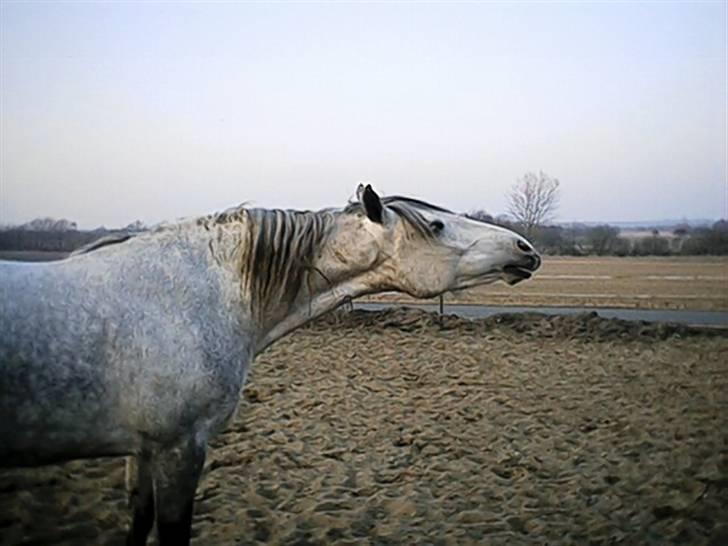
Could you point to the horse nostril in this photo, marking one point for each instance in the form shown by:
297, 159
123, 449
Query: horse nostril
534, 262
523, 245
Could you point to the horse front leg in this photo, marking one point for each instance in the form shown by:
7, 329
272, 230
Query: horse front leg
176, 472
141, 498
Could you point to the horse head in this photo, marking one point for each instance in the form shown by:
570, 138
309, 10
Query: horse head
403, 244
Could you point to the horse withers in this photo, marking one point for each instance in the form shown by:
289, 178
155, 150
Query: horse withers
139, 346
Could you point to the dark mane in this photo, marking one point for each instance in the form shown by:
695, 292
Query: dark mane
107, 240
279, 249
415, 203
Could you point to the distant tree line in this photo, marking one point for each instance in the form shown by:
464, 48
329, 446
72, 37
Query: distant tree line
50, 235
606, 240
46, 241
46, 234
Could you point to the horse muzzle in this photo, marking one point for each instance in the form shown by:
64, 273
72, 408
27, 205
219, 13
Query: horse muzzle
521, 270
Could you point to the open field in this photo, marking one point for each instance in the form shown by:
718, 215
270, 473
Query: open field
395, 428
31, 255
647, 283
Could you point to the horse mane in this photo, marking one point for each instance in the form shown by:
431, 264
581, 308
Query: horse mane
107, 240
278, 251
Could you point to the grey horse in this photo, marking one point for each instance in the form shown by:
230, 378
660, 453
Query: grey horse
139, 346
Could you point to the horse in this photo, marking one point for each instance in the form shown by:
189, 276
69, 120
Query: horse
139, 345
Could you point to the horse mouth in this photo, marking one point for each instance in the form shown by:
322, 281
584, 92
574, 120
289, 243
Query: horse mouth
517, 274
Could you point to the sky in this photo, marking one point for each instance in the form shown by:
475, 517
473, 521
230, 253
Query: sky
116, 111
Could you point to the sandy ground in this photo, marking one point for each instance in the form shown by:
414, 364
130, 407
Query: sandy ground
397, 428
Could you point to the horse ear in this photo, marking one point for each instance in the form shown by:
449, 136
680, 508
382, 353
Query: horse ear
371, 203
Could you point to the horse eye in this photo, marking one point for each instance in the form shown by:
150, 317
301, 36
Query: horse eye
437, 226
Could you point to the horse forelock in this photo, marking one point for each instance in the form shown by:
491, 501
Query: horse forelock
415, 203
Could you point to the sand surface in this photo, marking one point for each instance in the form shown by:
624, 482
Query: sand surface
395, 427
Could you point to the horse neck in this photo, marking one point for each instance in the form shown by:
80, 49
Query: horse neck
314, 305
282, 287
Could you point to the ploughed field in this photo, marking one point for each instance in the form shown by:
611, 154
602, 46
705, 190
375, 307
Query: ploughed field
397, 427
696, 282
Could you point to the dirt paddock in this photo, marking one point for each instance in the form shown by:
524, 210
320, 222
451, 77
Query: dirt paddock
395, 427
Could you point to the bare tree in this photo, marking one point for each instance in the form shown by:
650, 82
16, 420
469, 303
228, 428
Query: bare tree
533, 199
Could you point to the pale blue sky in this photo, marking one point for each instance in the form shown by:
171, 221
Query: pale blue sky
116, 111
